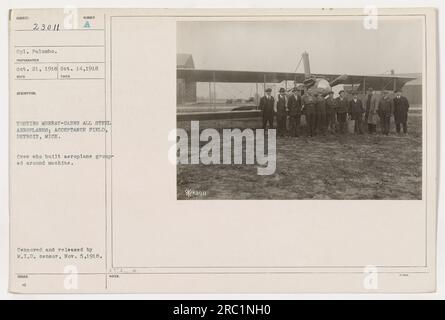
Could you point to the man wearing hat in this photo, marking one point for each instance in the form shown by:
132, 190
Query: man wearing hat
401, 106
331, 106
309, 112
342, 111
281, 110
372, 117
267, 107
368, 113
385, 110
356, 112
320, 107
294, 104
368, 103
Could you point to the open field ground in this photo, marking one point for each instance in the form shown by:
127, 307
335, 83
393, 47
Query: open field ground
323, 167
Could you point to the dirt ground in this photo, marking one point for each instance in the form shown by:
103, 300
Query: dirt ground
323, 167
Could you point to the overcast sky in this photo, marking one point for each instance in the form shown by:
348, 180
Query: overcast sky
335, 47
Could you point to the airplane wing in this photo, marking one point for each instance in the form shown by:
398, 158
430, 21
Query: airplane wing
378, 82
201, 75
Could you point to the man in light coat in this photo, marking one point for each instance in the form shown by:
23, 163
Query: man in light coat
372, 112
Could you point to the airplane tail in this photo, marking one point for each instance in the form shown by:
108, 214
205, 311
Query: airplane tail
306, 65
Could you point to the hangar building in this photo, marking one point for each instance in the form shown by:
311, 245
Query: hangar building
185, 90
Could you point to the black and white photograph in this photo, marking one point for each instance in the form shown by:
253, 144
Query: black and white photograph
139, 141
300, 109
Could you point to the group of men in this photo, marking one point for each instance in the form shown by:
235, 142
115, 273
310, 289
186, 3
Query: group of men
329, 114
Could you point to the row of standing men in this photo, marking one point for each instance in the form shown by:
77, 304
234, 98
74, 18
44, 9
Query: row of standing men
329, 114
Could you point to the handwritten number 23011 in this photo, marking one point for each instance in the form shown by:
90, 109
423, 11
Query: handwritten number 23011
45, 27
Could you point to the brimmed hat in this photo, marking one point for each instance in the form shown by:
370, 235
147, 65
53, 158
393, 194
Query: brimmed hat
268, 90
282, 90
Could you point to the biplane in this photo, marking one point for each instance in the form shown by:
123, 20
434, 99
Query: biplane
306, 81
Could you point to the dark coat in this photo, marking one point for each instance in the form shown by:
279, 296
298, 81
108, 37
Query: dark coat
294, 104
342, 105
386, 107
401, 106
309, 104
356, 109
331, 105
267, 106
320, 105
281, 106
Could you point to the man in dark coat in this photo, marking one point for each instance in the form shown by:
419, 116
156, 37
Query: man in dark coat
320, 107
294, 104
356, 113
401, 106
342, 112
331, 110
267, 107
309, 112
281, 113
385, 110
